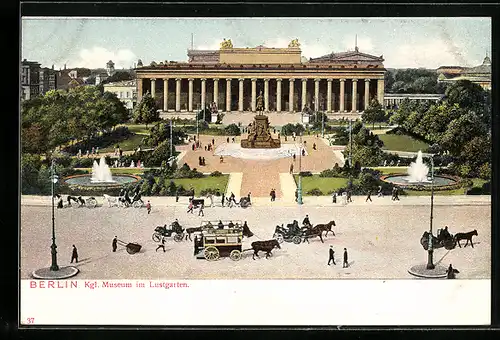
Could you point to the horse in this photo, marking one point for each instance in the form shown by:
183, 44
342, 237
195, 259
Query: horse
465, 236
326, 227
308, 233
190, 231
112, 201
266, 246
71, 198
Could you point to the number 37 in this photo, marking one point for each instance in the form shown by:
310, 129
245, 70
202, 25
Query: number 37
30, 320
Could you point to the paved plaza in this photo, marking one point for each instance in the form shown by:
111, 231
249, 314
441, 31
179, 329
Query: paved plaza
382, 240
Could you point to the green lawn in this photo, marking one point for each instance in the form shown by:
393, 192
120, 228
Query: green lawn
460, 191
199, 184
402, 143
129, 144
139, 128
392, 170
325, 184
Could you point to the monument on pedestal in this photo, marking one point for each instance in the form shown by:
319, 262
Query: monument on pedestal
259, 136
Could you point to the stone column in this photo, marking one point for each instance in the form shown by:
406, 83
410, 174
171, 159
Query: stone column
139, 89
190, 95
178, 94
203, 93
216, 92
153, 87
228, 95
342, 90
316, 95
380, 91
240, 95
354, 95
254, 93
367, 93
278, 95
266, 95
290, 96
329, 95
304, 93
165, 94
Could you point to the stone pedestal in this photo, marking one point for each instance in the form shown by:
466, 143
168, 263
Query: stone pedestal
305, 119
213, 118
259, 136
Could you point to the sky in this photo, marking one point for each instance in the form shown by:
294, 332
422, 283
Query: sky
403, 42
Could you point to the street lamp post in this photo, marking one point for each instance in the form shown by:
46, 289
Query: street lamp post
53, 180
197, 132
430, 264
299, 187
171, 152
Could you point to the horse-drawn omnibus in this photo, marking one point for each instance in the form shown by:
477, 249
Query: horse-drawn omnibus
213, 244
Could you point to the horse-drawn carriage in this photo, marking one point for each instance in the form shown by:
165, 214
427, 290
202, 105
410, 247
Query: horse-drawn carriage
443, 239
76, 202
167, 231
293, 233
213, 244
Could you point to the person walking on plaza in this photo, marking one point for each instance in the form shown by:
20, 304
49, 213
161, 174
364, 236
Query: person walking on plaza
291, 168
380, 193
114, 244
369, 196
349, 196
331, 258
213, 141
345, 264
223, 198
148, 207
201, 210
162, 244
296, 195
191, 206
334, 197
74, 255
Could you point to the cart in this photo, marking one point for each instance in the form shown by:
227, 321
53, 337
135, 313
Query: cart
132, 248
216, 243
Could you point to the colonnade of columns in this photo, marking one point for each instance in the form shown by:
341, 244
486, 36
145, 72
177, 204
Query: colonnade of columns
341, 94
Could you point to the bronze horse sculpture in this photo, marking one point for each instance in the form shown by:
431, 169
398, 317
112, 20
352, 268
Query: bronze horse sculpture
266, 246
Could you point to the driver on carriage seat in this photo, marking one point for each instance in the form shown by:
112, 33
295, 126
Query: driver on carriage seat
306, 221
230, 225
175, 224
220, 225
294, 228
445, 234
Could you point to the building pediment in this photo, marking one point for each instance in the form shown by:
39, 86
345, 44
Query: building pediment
347, 57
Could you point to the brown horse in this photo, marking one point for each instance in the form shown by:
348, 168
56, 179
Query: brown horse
190, 231
465, 236
266, 246
326, 227
308, 233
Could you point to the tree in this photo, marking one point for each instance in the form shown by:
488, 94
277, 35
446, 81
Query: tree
466, 94
373, 113
118, 76
147, 111
161, 132
460, 131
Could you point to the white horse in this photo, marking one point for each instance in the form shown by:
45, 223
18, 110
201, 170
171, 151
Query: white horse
112, 201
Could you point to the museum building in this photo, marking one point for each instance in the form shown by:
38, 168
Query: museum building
233, 78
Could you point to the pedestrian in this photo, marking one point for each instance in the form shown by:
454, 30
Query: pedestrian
285, 138
349, 196
192, 147
93, 150
148, 206
201, 210
205, 148
296, 195
334, 197
227, 139
120, 151
79, 153
278, 135
203, 161
248, 197
162, 244
396, 194
369, 196
331, 257
177, 195
345, 264
191, 206
223, 198
88, 153
114, 244
74, 255
314, 146
294, 157
450, 273
211, 196
233, 140
213, 141
291, 168
221, 159
380, 193
97, 150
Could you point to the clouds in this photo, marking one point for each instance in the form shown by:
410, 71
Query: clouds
97, 57
431, 53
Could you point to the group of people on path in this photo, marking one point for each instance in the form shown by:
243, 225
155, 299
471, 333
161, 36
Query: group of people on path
331, 257
94, 151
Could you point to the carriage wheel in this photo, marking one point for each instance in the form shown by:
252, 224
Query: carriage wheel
178, 237
130, 250
92, 203
235, 255
279, 237
296, 239
211, 253
137, 204
156, 237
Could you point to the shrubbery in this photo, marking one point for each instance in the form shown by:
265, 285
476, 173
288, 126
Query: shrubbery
216, 174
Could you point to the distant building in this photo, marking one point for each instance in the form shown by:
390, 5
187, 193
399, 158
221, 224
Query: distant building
480, 74
48, 80
110, 68
393, 100
30, 79
125, 90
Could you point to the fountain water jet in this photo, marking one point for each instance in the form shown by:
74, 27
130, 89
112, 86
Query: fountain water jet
417, 171
101, 172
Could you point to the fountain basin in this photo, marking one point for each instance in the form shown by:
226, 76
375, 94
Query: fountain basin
441, 182
83, 185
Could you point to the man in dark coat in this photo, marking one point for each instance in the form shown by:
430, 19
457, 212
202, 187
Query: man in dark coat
450, 273
162, 245
345, 264
306, 221
223, 198
74, 255
331, 257
114, 244
230, 225
220, 225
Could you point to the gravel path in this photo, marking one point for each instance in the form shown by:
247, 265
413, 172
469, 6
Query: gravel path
382, 241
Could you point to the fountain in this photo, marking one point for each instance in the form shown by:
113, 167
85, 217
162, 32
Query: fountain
417, 176
100, 179
101, 172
